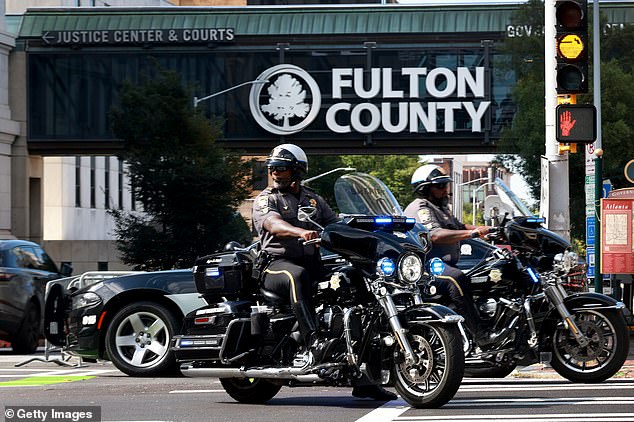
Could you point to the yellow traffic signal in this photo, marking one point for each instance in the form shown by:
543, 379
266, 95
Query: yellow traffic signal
572, 46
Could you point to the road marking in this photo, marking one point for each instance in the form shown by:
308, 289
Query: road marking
563, 417
36, 381
567, 387
539, 402
195, 391
388, 412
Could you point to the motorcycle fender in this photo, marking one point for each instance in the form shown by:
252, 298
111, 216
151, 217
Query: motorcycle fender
430, 313
578, 301
591, 301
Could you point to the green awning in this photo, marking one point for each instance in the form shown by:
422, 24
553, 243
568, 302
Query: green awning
249, 21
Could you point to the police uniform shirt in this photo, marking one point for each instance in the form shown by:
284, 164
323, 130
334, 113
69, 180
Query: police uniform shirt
435, 217
286, 205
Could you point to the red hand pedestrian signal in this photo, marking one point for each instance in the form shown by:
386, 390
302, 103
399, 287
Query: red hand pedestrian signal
566, 123
576, 123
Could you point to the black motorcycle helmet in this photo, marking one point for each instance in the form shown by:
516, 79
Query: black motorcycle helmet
428, 175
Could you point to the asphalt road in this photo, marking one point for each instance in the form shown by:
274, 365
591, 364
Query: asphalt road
123, 398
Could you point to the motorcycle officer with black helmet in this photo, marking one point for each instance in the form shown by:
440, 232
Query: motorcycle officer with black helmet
295, 267
431, 186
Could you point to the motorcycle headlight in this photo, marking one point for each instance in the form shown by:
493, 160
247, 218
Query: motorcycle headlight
385, 267
410, 268
85, 300
566, 261
436, 266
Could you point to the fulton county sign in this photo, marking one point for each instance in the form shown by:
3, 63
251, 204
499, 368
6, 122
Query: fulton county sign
364, 101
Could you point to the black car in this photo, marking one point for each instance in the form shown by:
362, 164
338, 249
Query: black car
25, 268
128, 319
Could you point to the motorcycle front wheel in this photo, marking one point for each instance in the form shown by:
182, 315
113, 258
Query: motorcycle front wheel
603, 356
436, 376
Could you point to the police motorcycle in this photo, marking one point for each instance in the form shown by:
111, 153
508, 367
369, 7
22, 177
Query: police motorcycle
529, 316
370, 311
528, 307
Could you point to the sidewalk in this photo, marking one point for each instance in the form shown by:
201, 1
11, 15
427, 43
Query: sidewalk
539, 370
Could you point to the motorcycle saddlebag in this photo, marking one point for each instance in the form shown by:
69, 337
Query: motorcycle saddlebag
223, 273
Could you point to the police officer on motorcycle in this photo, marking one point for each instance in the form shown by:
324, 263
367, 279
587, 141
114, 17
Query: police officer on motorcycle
431, 187
293, 267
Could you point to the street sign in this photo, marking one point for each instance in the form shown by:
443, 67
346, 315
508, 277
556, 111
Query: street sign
590, 230
576, 123
590, 261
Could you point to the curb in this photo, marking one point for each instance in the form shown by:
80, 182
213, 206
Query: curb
544, 371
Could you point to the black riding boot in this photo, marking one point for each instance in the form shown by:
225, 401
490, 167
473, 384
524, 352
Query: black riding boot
309, 330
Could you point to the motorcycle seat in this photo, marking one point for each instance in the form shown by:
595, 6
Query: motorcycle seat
273, 299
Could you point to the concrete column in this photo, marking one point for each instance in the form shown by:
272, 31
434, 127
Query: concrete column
8, 130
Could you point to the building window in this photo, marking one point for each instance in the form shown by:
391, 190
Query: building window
102, 266
107, 184
78, 182
93, 164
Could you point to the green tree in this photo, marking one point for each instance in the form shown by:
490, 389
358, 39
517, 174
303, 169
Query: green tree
393, 170
188, 187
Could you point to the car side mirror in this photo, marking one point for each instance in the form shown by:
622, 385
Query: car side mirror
66, 270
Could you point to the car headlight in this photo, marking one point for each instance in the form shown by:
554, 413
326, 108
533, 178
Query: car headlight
410, 268
85, 300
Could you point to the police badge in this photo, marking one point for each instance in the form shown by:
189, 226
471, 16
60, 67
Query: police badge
495, 275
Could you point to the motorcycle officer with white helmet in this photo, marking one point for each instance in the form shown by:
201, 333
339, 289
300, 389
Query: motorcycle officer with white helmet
294, 267
431, 187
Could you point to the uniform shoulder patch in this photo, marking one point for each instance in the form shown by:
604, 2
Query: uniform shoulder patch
424, 215
263, 203
313, 202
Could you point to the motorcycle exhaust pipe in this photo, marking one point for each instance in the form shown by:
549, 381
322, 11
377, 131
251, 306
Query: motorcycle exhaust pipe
296, 374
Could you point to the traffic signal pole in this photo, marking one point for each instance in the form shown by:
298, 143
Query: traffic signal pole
598, 160
555, 192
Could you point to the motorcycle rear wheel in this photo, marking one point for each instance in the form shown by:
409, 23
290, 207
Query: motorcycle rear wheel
602, 357
435, 379
250, 390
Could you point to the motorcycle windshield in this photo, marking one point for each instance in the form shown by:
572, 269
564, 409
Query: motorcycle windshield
508, 197
361, 193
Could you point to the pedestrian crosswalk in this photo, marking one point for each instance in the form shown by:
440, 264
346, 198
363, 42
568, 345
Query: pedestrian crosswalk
34, 377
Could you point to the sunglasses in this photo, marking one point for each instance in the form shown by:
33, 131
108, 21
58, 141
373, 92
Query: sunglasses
440, 185
278, 169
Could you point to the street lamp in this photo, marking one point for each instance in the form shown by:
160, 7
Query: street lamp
215, 94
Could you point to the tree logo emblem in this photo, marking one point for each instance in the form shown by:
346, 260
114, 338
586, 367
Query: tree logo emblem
290, 102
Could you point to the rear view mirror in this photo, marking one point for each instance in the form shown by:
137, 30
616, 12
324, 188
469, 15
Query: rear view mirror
306, 214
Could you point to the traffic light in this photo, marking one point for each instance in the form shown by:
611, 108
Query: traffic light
576, 123
572, 46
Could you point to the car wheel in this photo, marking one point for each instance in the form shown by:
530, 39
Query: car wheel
28, 337
138, 339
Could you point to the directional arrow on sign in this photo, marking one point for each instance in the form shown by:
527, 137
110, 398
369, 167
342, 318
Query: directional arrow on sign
47, 38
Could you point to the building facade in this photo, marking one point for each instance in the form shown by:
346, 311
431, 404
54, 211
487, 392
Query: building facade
376, 79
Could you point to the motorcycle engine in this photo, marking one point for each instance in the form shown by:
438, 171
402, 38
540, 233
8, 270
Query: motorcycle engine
331, 321
487, 307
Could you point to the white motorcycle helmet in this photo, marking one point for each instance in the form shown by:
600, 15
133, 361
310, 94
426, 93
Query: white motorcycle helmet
428, 175
289, 155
